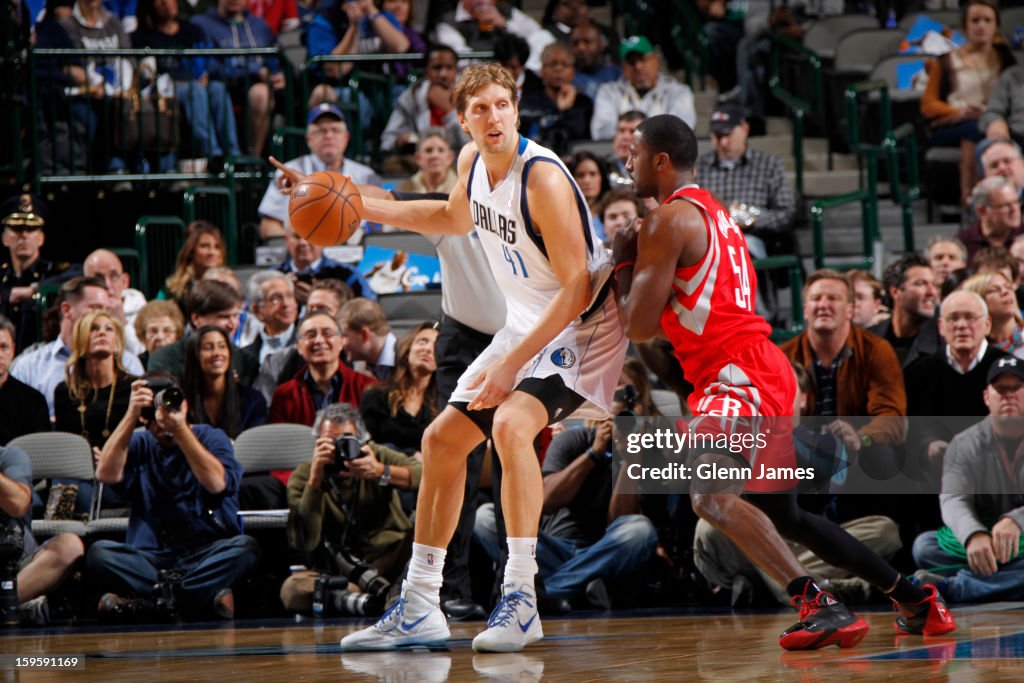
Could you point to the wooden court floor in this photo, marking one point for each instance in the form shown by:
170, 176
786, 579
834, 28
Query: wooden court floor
989, 646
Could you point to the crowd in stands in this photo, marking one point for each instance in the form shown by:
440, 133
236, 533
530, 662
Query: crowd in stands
306, 342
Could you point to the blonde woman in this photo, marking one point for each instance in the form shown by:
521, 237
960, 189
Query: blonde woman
95, 394
998, 293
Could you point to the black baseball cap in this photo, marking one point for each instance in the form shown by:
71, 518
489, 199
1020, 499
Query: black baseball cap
1006, 366
725, 117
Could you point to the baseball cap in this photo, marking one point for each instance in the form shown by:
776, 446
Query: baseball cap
725, 117
638, 44
324, 109
24, 212
1006, 366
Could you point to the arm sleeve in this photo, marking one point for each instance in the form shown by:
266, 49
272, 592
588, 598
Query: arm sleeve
565, 448
932, 105
778, 215
606, 113
219, 445
887, 397
306, 511
956, 501
999, 101
321, 37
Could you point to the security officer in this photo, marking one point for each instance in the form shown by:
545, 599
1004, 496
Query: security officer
24, 271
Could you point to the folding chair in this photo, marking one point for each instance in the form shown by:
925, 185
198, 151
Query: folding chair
57, 455
272, 447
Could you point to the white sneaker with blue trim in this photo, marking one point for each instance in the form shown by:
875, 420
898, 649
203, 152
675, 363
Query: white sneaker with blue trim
513, 624
412, 619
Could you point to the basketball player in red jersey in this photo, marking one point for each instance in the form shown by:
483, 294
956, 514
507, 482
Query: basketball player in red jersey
692, 256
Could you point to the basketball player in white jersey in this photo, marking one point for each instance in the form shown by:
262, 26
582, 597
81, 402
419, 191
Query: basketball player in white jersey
561, 349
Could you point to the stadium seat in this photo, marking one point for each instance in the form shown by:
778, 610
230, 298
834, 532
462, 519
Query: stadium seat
57, 455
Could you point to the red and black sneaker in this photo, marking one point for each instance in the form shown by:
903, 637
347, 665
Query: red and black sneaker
823, 621
929, 617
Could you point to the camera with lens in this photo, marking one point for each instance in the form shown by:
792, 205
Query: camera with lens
628, 397
330, 592
346, 447
12, 546
166, 394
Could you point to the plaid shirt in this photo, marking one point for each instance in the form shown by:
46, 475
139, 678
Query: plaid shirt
758, 179
825, 383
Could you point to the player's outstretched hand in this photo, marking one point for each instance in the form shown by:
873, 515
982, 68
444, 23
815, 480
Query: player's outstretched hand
289, 177
495, 384
624, 243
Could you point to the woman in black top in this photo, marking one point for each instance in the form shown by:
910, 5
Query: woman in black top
398, 411
214, 395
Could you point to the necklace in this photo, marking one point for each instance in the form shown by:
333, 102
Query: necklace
106, 421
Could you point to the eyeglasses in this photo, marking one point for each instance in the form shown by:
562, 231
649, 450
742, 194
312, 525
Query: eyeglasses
311, 335
332, 130
969, 318
1003, 207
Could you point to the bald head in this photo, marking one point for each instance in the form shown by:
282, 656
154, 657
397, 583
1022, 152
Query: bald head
105, 265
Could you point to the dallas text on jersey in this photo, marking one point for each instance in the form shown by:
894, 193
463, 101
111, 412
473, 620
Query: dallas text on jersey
486, 218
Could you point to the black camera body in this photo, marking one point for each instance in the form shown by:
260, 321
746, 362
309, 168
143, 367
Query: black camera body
166, 394
330, 593
346, 448
628, 397
12, 546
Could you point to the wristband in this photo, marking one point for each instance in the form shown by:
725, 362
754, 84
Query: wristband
624, 264
374, 17
596, 457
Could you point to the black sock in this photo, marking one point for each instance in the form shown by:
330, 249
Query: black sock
907, 592
803, 586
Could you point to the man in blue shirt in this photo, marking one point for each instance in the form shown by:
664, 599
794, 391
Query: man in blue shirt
181, 482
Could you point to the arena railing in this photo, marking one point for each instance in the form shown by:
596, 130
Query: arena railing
872, 97
374, 93
692, 42
95, 134
158, 239
795, 79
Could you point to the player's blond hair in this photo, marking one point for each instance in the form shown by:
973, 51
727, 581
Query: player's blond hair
479, 76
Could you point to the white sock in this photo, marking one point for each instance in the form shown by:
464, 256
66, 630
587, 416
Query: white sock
425, 570
522, 561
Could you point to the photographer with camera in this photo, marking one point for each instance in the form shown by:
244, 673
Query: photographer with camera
28, 572
346, 517
183, 537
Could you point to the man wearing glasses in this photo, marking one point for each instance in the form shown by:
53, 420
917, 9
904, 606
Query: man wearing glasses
25, 271
327, 137
951, 382
323, 380
999, 218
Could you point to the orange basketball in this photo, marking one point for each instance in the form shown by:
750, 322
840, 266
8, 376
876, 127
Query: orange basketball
325, 208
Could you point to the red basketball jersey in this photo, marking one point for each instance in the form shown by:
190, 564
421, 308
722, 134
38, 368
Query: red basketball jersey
711, 313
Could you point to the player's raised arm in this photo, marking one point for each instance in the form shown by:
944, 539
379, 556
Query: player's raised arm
646, 263
428, 216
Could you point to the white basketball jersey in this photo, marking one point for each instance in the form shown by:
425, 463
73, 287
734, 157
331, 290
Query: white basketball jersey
514, 249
